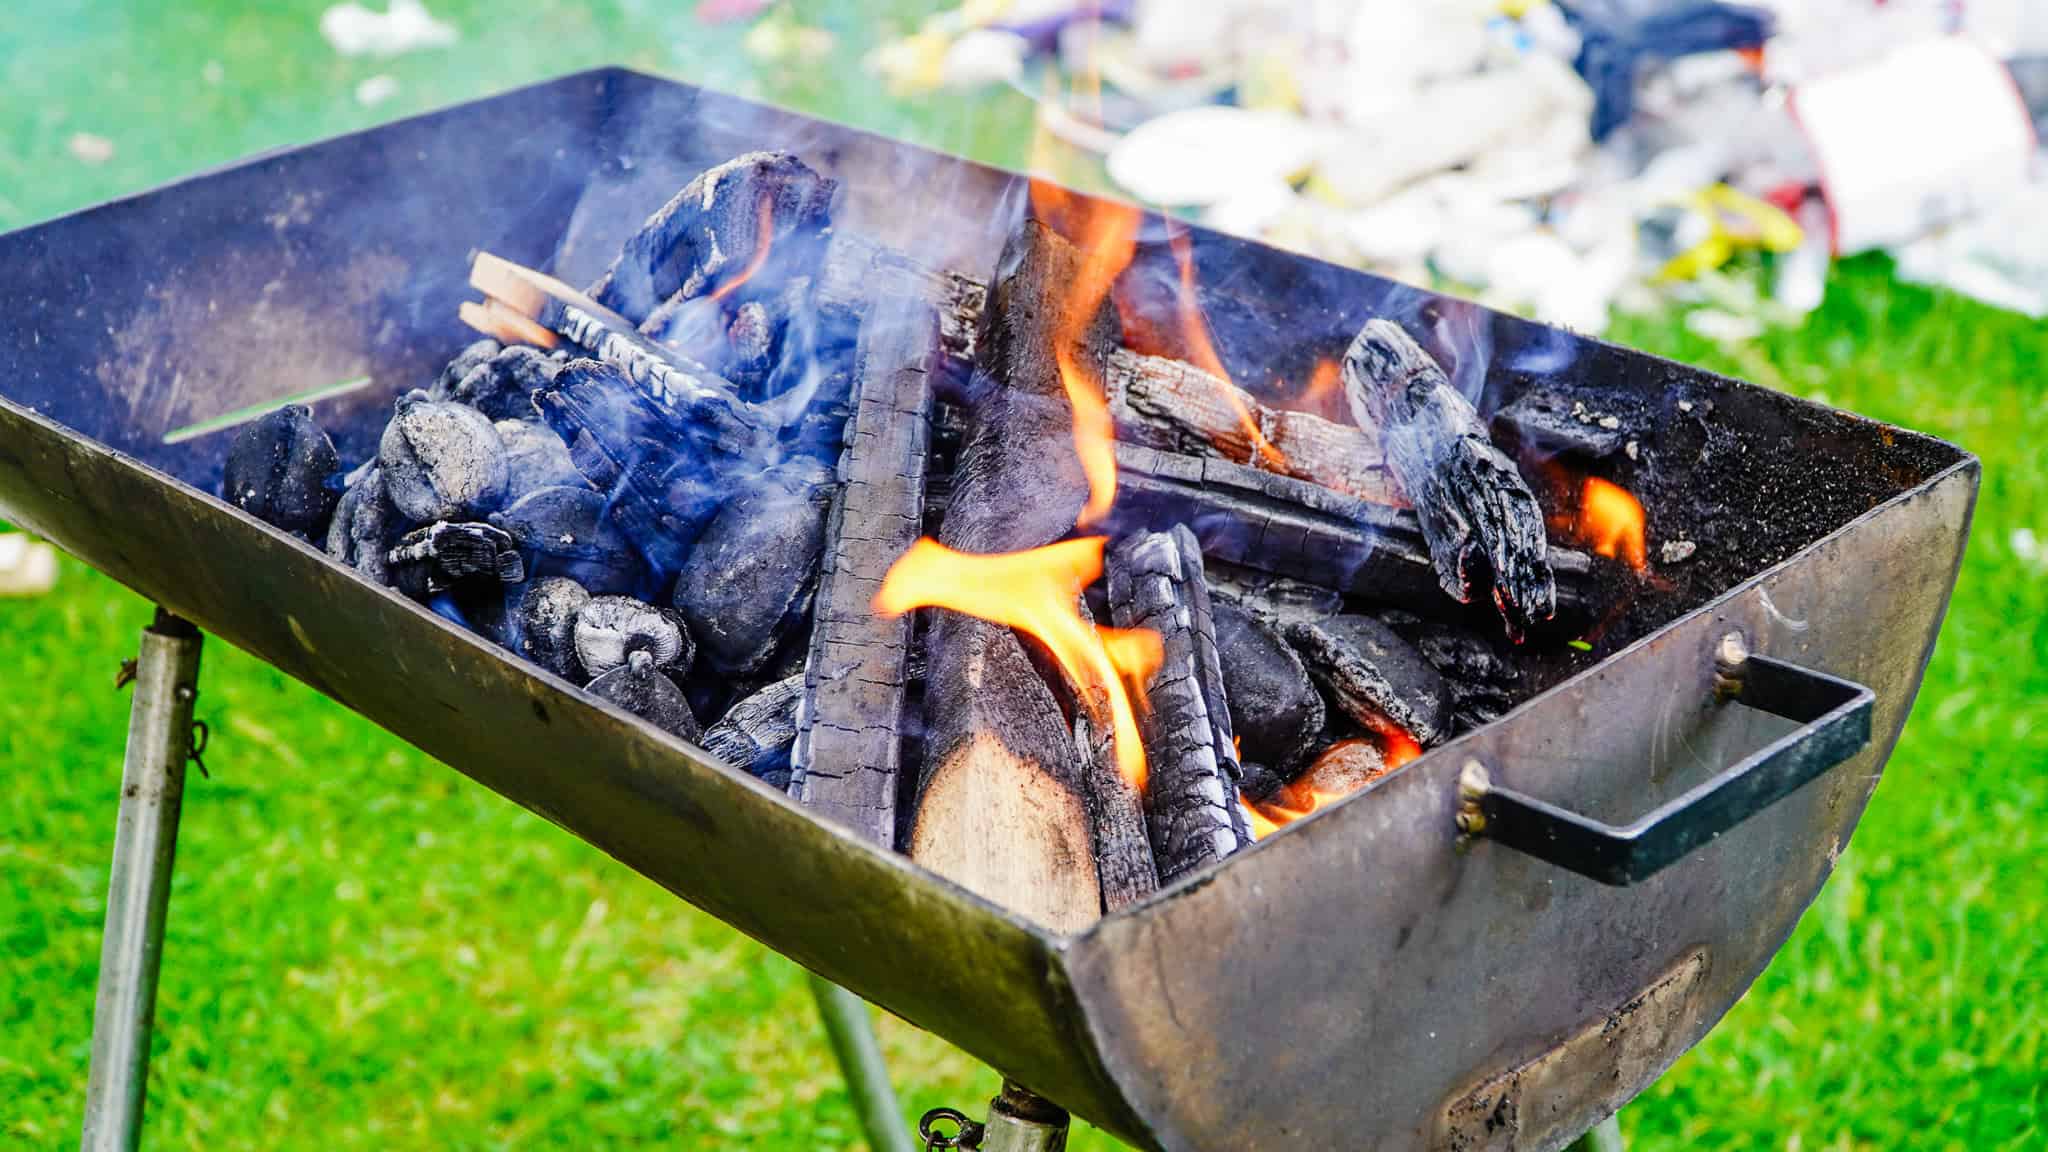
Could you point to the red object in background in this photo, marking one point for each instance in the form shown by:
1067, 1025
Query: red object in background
726, 11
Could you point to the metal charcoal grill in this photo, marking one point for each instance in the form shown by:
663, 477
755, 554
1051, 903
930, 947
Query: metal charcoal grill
1401, 970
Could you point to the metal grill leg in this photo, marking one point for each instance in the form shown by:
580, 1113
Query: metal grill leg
852, 1032
145, 838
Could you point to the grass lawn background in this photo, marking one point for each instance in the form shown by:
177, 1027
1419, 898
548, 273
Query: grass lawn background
368, 951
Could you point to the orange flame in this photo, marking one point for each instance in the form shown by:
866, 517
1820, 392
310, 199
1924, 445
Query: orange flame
764, 238
1202, 351
1331, 778
1036, 592
1107, 235
1323, 387
1611, 522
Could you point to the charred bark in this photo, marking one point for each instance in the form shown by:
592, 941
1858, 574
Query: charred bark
756, 734
848, 752
1483, 524
715, 229
1155, 582
1375, 677
1124, 864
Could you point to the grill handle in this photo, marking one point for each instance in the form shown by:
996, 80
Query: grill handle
1834, 718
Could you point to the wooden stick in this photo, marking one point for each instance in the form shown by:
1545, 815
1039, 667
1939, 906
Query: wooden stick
848, 750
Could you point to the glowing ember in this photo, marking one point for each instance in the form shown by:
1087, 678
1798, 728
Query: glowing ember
764, 238
1343, 768
1201, 351
1036, 592
1611, 523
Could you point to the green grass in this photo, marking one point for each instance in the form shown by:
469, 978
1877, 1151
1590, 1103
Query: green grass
366, 950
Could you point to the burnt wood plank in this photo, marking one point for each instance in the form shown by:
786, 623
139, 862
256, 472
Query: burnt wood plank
1156, 582
847, 756
1124, 864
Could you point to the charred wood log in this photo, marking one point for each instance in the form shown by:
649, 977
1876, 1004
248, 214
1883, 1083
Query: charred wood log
1002, 800
530, 306
1375, 677
1154, 401
852, 265
716, 230
748, 581
1483, 524
1275, 709
1177, 407
281, 469
757, 733
1481, 680
1292, 528
847, 757
1156, 582
657, 471
1124, 864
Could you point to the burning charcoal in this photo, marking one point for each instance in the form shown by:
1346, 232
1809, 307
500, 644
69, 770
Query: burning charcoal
611, 628
441, 461
639, 687
1477, 513
443, 555
1341, 769
756, 733
502, 387
1260, 782
546, 625
278, 470
360, 534
1156, 582
464, 363
715, 231
1375, 677
567, 533
750, 577
1274, 708
535, 458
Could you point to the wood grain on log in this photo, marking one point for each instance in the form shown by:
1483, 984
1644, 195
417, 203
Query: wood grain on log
846, 760
1177, 407
1156, 582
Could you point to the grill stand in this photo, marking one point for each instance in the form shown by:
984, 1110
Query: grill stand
162, 736
160, 740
